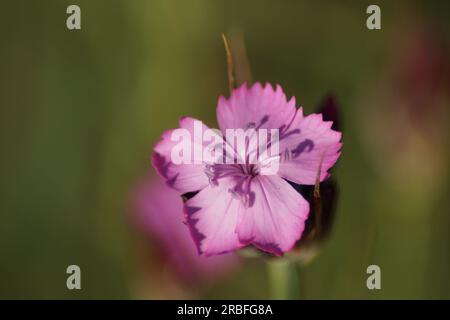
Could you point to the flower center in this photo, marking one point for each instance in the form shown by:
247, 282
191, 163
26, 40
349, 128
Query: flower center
242, 174
251, 170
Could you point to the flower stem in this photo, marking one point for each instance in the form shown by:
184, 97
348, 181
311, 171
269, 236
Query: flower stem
283, 280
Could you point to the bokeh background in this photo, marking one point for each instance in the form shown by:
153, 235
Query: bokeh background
81, 110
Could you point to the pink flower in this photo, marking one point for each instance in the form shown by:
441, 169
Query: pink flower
234, 205
159, 214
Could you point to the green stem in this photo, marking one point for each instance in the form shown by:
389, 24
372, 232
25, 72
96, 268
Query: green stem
283, 280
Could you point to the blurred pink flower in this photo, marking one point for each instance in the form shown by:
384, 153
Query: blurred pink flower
410, 106
159, 215
236, 205
421, 77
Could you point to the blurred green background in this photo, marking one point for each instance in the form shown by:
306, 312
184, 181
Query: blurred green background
81, 110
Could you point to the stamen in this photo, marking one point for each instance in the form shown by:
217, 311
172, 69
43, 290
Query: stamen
287, 155
250, 125
234, 194
263, 121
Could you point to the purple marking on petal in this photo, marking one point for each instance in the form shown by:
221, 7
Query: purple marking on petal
251, 199
224, 252
171, 182
287, 134
305, 146
269, 247
196, 235
283, 133
161, 165
242, 191
262, 121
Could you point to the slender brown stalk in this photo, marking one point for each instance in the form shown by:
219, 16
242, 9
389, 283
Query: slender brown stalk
316, 201
230, 64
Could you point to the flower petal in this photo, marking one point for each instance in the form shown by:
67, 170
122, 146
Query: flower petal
309, 146
182, 177
158, 212
260, 106
212, 217
277, 218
